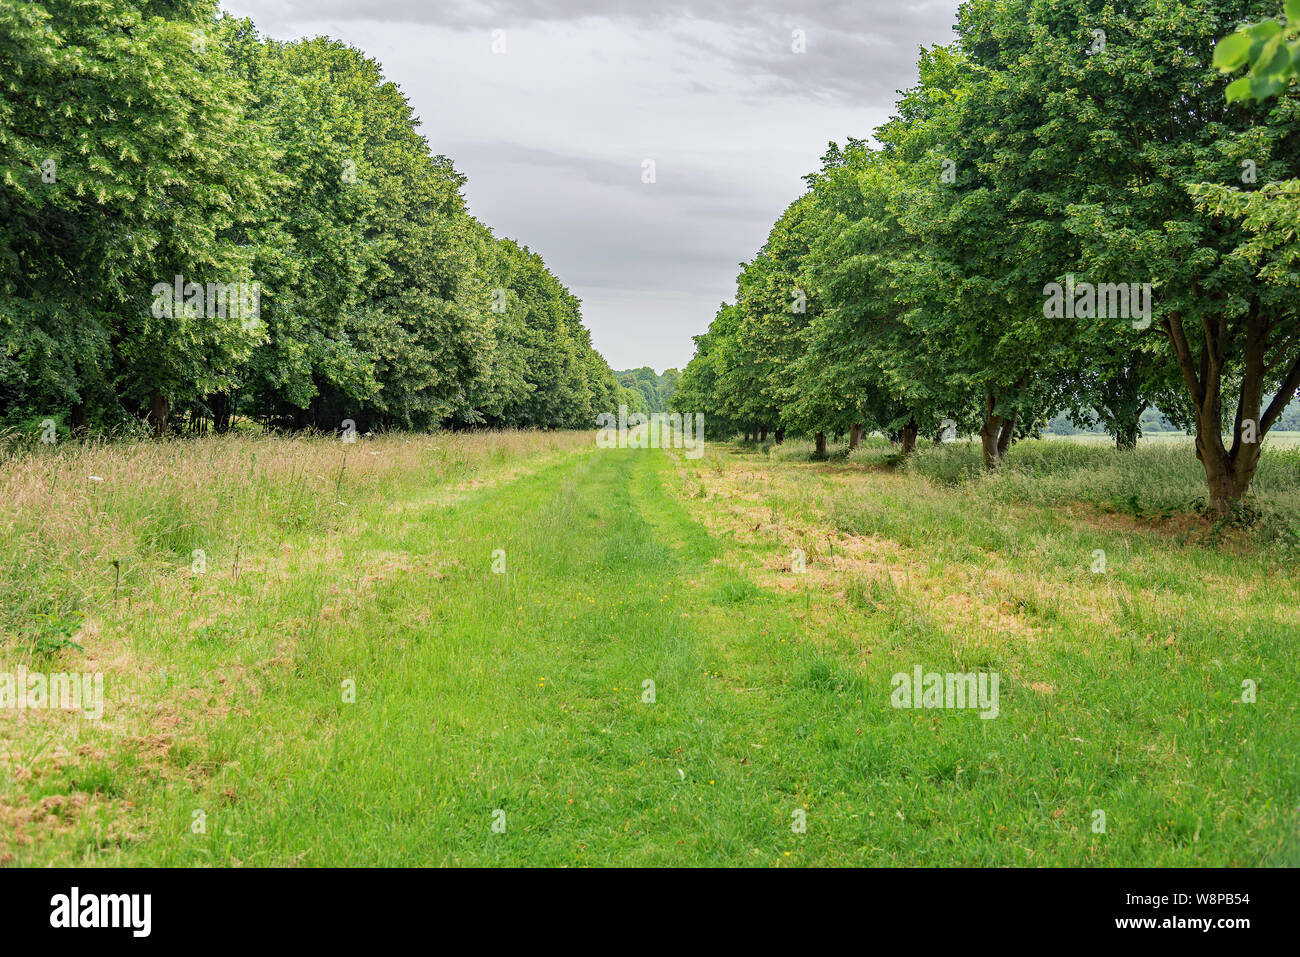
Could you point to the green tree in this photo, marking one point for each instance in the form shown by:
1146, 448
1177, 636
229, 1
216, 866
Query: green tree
1087, 128
126, 158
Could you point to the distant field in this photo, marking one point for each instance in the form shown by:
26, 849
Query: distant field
563, 655
1287, 440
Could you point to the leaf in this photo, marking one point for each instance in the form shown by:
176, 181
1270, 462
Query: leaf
1262, 86
1261, 55
1293, 13
1265, 30
1276, 64
1232, 50
1239, 90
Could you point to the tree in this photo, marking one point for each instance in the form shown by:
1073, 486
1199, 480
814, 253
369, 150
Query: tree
864, 366
968, 275
1088, 130
126, 159
700, 388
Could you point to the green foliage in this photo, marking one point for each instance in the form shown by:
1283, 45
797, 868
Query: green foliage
125, 158
649, 391
51, 633
1054, 146
144, 141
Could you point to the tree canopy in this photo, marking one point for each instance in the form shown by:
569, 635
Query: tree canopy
198, 222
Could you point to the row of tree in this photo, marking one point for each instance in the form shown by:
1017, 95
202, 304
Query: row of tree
1078, 149
153, 146
649, 391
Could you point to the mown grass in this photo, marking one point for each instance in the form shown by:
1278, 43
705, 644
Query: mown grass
1144, 660
521, 697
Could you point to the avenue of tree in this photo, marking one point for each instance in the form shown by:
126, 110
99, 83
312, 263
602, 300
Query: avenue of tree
142, 141
1071, 142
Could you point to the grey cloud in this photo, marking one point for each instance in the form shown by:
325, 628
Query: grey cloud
675, 178
852, 48
857, 17
837, 64
552, 138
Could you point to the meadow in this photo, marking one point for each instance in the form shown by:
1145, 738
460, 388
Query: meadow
517, 648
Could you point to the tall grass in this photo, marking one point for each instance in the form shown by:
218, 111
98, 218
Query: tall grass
1152, 481
523, 692
86, 523
1158, 480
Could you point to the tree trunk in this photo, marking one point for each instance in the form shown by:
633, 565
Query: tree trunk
997, 431
1126, 435
909, 436
221, 412
780, 436
1120, 402
855, 436
1228, 480
995, 436
990, 432
1229, 472
158, 409
1008, 431
763, 434
989, 440
821, 445
79, 421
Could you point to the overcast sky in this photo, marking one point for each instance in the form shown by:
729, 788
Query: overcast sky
554, 132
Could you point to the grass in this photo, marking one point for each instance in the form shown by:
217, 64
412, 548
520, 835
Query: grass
650, 680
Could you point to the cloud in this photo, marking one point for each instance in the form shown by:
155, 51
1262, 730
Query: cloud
850, 47
552, 135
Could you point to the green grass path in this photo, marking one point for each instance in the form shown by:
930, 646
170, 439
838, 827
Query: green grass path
523, 692
520, 692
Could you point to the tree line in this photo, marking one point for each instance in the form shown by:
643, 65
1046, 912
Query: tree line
1066, 214
649, 391
199, 222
